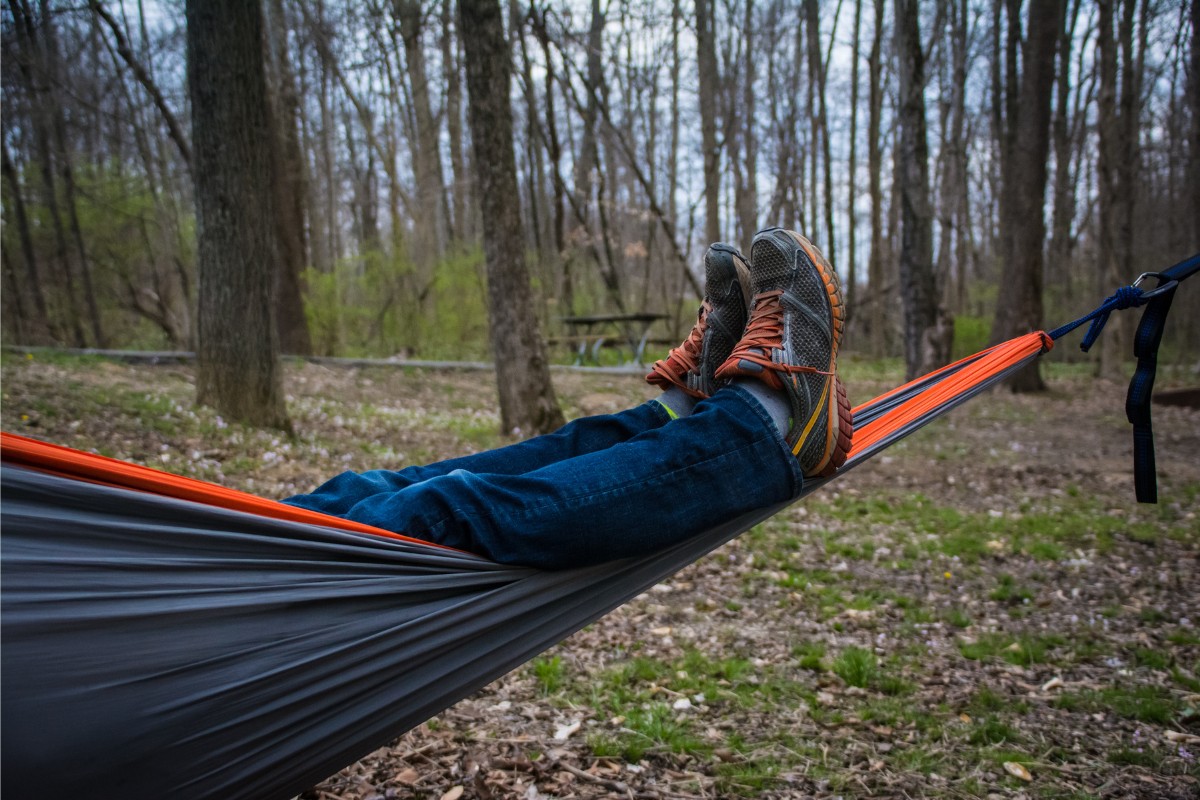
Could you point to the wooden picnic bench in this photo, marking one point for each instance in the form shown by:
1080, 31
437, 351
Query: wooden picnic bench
589, 333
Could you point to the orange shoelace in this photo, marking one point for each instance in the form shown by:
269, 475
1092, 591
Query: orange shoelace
686, 358
764, 334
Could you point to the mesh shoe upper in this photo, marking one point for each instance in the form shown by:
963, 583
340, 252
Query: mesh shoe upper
791, 344
719, 325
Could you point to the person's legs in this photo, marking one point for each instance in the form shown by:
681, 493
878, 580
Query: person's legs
686, 376
653, 490
675, 480
579, 437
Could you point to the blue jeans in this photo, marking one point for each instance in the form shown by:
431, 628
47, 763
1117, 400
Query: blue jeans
598, 489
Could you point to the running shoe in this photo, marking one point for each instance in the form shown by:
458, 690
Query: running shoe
719, 325
791, 344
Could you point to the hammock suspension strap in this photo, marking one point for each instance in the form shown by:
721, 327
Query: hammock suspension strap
1145, 348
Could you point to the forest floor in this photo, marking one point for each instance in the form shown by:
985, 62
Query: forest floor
983, 611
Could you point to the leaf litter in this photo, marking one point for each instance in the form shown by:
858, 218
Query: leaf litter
983, 611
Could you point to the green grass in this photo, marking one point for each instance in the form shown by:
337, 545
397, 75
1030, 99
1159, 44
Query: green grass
991, 731
1142, 703
958, 618
747, 778
549, 673
1008, 591
1023, 650
811, 656
653, 728
856, 666
1045, 533
1152, 659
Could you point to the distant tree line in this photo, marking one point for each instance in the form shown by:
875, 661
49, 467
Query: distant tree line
972, 168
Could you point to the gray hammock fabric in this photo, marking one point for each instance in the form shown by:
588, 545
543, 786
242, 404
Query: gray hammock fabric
156, 648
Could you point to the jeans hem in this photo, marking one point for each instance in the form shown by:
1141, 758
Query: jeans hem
793, 463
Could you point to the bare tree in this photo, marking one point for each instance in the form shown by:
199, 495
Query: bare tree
708, 84
429, 224
290, 188
39, 326
237, 351
527, 400
1193, 89
851, 288
1116, 169
875, 263
928, 332
1022, 223
1064, 134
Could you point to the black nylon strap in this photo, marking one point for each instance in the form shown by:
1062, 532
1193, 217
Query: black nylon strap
1141, 387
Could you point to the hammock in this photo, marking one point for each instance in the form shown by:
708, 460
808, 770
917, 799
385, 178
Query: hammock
165, 637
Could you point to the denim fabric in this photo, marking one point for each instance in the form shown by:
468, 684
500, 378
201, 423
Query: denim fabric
599, 489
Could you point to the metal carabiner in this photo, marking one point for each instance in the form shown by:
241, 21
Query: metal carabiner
1162, 288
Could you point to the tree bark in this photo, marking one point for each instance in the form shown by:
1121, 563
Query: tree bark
1063, 213
1116, 167
709, 92
554, 153
291, 191
238, 368
1023, 224
851, 288
951, 262
875, 270
747, 185
458, 227
1194, 150
926, 343
527, 400
820, 128
429, 228
38, 326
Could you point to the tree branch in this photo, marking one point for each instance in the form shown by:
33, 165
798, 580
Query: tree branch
173, 127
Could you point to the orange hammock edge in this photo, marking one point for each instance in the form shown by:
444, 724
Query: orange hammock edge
68, 462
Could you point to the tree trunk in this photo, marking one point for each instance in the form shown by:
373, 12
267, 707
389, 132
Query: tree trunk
1061, 243
39, 326
926, 338
585, 163
1193, 165
527, 400
554, 153
1023, 226
1116, 167
747, 186
429, 228
290, 189
875, 269
851, 288
950, 262
238, 368
458, 228
709, 92
820, 126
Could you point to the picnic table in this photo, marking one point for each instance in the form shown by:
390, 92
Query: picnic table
593, 331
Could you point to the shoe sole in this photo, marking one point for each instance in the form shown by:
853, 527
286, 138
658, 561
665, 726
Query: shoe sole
724, 265
839, 419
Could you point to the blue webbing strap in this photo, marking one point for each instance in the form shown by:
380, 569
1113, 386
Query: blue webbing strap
1145, 349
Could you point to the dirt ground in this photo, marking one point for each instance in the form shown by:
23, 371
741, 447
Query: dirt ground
982, 611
